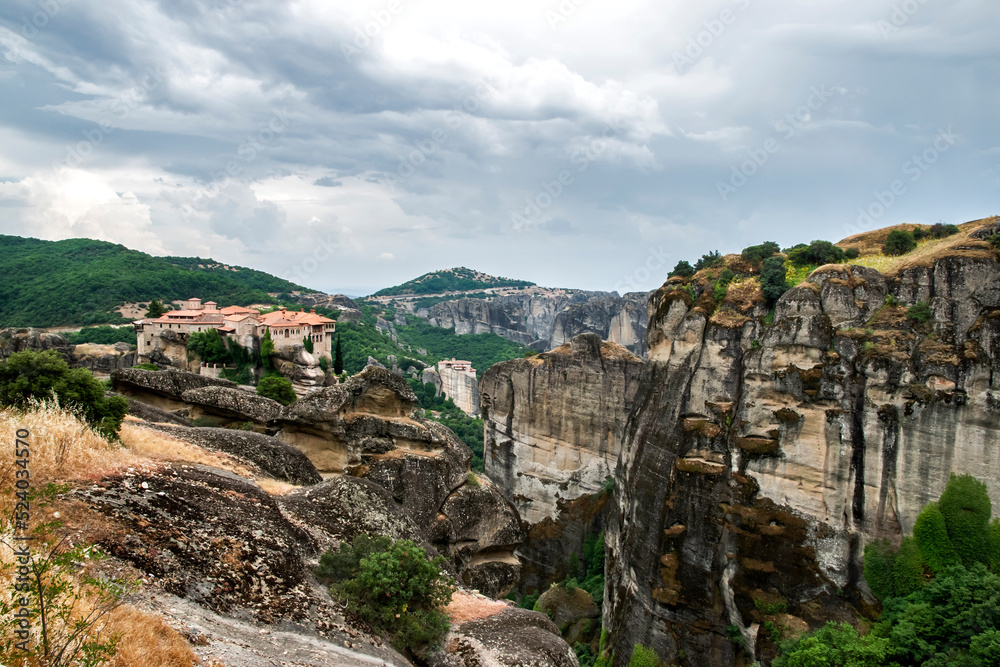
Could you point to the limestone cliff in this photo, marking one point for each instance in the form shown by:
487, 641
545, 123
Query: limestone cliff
545, 319
759, 457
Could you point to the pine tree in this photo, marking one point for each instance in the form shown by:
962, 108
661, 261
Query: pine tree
156, 309
338, 358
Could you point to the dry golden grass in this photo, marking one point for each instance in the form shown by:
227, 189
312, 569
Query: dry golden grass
276, 487
156, 446
147, 641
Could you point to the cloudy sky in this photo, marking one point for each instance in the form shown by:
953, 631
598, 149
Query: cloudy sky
579, 143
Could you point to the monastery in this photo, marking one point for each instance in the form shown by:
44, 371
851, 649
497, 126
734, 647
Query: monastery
287, 327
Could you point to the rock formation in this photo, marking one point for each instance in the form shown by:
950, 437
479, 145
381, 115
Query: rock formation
34, 340
545, 319
367, 427
759, 458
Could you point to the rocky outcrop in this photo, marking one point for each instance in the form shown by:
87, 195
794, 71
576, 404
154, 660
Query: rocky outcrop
554, 423
104, 359
512, 637
273, 457
349, 310
231, 402
169, 348
33, 340
162, 389
545, 319
759, 458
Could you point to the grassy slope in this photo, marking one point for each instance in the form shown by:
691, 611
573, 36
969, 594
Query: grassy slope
451, 280
81, 281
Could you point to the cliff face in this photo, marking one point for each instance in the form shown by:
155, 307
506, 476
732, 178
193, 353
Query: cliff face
554, 422
758, 459
548, 319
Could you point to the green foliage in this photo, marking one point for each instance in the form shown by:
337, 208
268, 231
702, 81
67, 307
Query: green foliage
817, 252
451, 280
643, 657
27, 376
708, 261
430, 301
147, 367
965, 505
469, 430
995, 240
908, 574
756, 254
277, 388
852, 253
940, 230
919, 312
483, 350
266, 349
529, 601
210, 347
156, 309
722, 284
899, 242
835, 644
393, 586
324, 363
683, 269
103, 335
771, 608
583, 655
879, 570
931, 535
80, 281
338, 357
773, 281
307, 343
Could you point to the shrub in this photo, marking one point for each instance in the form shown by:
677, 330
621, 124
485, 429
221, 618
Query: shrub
919, 312
966, 508
148, 367
307, 343
324, 364
834, 644
899, 242
931, 535
31, 376
939, 230
682, 269
209, 346
756, 254
920, 233
277, 388
773, 281
995, 240
393, 586
529, 601
712, 259
817, 252
852, 253
643, 657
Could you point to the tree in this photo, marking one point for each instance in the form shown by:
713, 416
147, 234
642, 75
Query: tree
835, 644
27, 376
393, 586
817, 252
643, 657
707, 261
919, 312
307, 343
683, 269
338, 358
277, 388
773, 281
899, 242
156, 309
966, 508
210, 347
266, 349
756, 254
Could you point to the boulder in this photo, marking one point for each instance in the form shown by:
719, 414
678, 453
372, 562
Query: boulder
234, 403
514, 637
33, 340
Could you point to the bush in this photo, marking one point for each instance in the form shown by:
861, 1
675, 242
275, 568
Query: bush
712, 259
931, 534
756, 254
324, 364
27, 376
920, 234
899, 242
966, 508
939, 230
210, 347
919, 312
643, 657
682, 269
277, 388
834, 644
307, 343
817, 252
147, 367
773, 281
852, 253
104, 335
393, 587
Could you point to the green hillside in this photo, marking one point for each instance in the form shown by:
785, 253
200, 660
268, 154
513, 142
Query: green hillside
81, 281
451, 280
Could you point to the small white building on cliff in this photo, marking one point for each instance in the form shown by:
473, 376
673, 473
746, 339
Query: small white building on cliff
458, 382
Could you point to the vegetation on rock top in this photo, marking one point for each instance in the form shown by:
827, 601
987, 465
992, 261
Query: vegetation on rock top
451, 280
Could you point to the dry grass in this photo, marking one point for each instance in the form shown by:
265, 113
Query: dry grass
156, 446
468, 607
276, 487
147, 641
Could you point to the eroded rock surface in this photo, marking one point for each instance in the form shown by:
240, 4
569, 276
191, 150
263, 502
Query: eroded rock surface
758, 459
512, 637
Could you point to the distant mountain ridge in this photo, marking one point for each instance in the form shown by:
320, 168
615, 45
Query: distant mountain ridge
83, 281
460, 279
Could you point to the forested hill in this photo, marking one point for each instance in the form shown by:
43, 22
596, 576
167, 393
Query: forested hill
81, 281
451, 280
